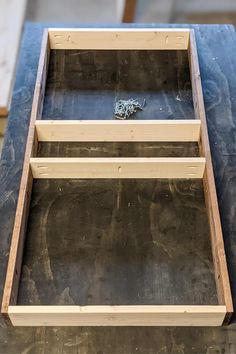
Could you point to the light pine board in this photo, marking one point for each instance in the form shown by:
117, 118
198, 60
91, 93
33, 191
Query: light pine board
124, 167
118, 38
97, 130
117, 315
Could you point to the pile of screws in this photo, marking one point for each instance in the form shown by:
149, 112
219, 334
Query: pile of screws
124, 109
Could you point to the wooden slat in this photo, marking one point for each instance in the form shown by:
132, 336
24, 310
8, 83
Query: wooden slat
11, 22
121, 131
137, 167
119, 38
17, 242
144, 315
218, 251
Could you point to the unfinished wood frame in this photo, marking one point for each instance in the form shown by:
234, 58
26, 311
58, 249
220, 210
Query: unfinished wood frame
193, 129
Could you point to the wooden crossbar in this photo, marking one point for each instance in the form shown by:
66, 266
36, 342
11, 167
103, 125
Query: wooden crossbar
125, 167
142, 315
119, 131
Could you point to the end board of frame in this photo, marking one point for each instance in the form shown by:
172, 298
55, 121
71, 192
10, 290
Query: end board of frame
141, 315
119, 38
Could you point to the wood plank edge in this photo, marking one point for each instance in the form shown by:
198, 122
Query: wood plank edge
116, 167
69, 42
144, 122
145, 315
118, 131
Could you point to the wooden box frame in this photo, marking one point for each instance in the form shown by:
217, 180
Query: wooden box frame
178, 130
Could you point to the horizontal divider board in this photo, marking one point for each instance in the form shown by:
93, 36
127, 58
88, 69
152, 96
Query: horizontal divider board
125, 167
119, 131
125, 315
119, 38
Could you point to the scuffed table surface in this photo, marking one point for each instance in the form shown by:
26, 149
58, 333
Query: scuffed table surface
217, 48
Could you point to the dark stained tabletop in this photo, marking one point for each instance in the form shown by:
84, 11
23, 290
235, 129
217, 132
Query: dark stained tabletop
216, 48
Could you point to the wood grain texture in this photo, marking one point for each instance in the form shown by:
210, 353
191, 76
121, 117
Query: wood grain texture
117, 315
216, 45
170, 130
123, 167
218, 251
120, 38
11, 23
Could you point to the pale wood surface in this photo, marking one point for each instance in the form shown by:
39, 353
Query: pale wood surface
117, 315
98, 38
136, 167
12, 14
117, 131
